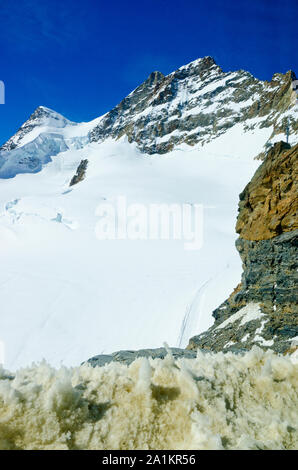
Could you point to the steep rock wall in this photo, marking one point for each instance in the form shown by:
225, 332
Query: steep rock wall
263, 308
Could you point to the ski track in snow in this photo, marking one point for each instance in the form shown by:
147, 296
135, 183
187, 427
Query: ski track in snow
192, 313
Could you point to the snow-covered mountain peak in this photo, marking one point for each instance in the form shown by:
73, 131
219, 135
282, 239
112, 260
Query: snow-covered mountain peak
199, 65
47, 115
45, 134
41, 120
194, 105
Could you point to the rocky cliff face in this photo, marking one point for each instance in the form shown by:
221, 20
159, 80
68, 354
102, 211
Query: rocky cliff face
197, 103
268, 205
263, 308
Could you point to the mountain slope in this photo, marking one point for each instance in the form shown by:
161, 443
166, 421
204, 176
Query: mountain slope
43, 119
65, 295
193, 105
196, 104
44, 135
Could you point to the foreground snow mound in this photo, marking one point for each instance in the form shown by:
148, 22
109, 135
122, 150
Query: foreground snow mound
216, 401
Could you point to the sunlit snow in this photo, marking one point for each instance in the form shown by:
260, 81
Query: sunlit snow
65, 295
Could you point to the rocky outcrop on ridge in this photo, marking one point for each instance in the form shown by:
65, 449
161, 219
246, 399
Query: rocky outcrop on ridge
263, 309
197, 103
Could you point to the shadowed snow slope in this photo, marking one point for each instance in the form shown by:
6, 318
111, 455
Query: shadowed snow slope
217, 401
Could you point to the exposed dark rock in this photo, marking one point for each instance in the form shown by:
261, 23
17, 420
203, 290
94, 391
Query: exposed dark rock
197, 103
127, 357
268, 242
193, 105
80, 174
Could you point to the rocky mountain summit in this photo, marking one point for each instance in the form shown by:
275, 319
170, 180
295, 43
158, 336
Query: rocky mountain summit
197, 103
192, 106
263, 310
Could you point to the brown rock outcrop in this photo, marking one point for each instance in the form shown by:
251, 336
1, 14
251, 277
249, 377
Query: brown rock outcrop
263, 309
269, 204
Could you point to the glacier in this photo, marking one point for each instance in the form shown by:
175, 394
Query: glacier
65, 295
68, 296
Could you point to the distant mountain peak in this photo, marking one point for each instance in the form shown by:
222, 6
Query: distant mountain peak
193, 105
44, 112
155, 77
205, 62
42, 117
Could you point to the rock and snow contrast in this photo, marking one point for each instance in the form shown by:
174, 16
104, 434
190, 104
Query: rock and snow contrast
189, 137
43, 136
196, 104
193, 105
263, 309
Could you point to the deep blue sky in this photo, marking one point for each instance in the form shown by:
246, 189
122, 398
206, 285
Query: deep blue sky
81, 57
